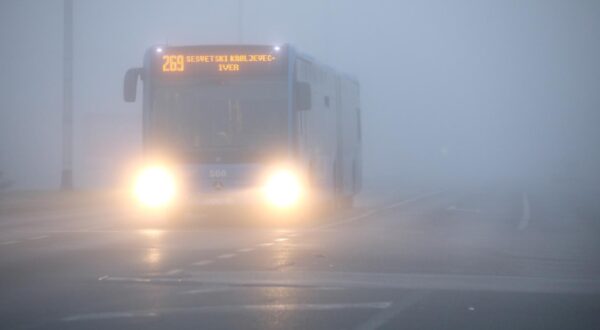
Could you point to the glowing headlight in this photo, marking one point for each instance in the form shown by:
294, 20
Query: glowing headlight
283, 189
155, 187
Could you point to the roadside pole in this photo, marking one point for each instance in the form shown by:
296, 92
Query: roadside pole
66, 182
240, 25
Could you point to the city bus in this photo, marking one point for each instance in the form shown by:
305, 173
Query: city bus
263, 126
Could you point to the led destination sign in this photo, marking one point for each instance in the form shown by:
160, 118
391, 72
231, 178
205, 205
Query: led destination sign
177, 63
216, 61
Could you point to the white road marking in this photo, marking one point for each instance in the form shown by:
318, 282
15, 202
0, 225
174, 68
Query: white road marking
379, 280
526, 215
209, 290
226, 256
9, 242
382, 318
107, 278
37, 237
458, 209
108, 316
202, 263
227, 308
108, 230
150, 274
370, 213
174, 272
283, 239
410, 200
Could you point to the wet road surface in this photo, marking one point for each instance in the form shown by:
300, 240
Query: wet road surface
468, 258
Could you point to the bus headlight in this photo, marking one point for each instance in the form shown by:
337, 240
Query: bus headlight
283, 189
155, 187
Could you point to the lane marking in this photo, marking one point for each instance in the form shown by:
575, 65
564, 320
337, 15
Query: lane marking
202, 263
370, 213
107, 278
283, 239
226, 256
209, 290
459, 209
108, 316
150, 274
174, 272
382, 318
10, 242
105, 230
411, 200
37, 237
227, 308
492, 283
526, 215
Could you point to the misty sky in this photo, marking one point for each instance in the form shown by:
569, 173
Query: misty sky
451, 90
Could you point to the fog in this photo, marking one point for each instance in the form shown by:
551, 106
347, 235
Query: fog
452, 91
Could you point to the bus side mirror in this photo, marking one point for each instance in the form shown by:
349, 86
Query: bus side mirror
302, 96
130, 84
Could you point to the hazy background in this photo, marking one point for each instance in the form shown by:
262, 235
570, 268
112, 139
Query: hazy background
452, 91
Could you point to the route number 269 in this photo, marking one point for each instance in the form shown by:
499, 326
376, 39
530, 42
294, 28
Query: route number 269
172, 63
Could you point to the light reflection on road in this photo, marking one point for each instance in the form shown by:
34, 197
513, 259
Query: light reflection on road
152, 255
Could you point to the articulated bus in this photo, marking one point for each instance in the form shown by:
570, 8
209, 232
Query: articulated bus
245, 125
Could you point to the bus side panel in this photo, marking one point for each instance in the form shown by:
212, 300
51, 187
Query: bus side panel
317, 131
350, 136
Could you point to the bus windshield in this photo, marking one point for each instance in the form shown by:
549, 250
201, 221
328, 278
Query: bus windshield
238, 120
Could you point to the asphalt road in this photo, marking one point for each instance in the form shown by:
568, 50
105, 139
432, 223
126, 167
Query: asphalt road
469, 258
